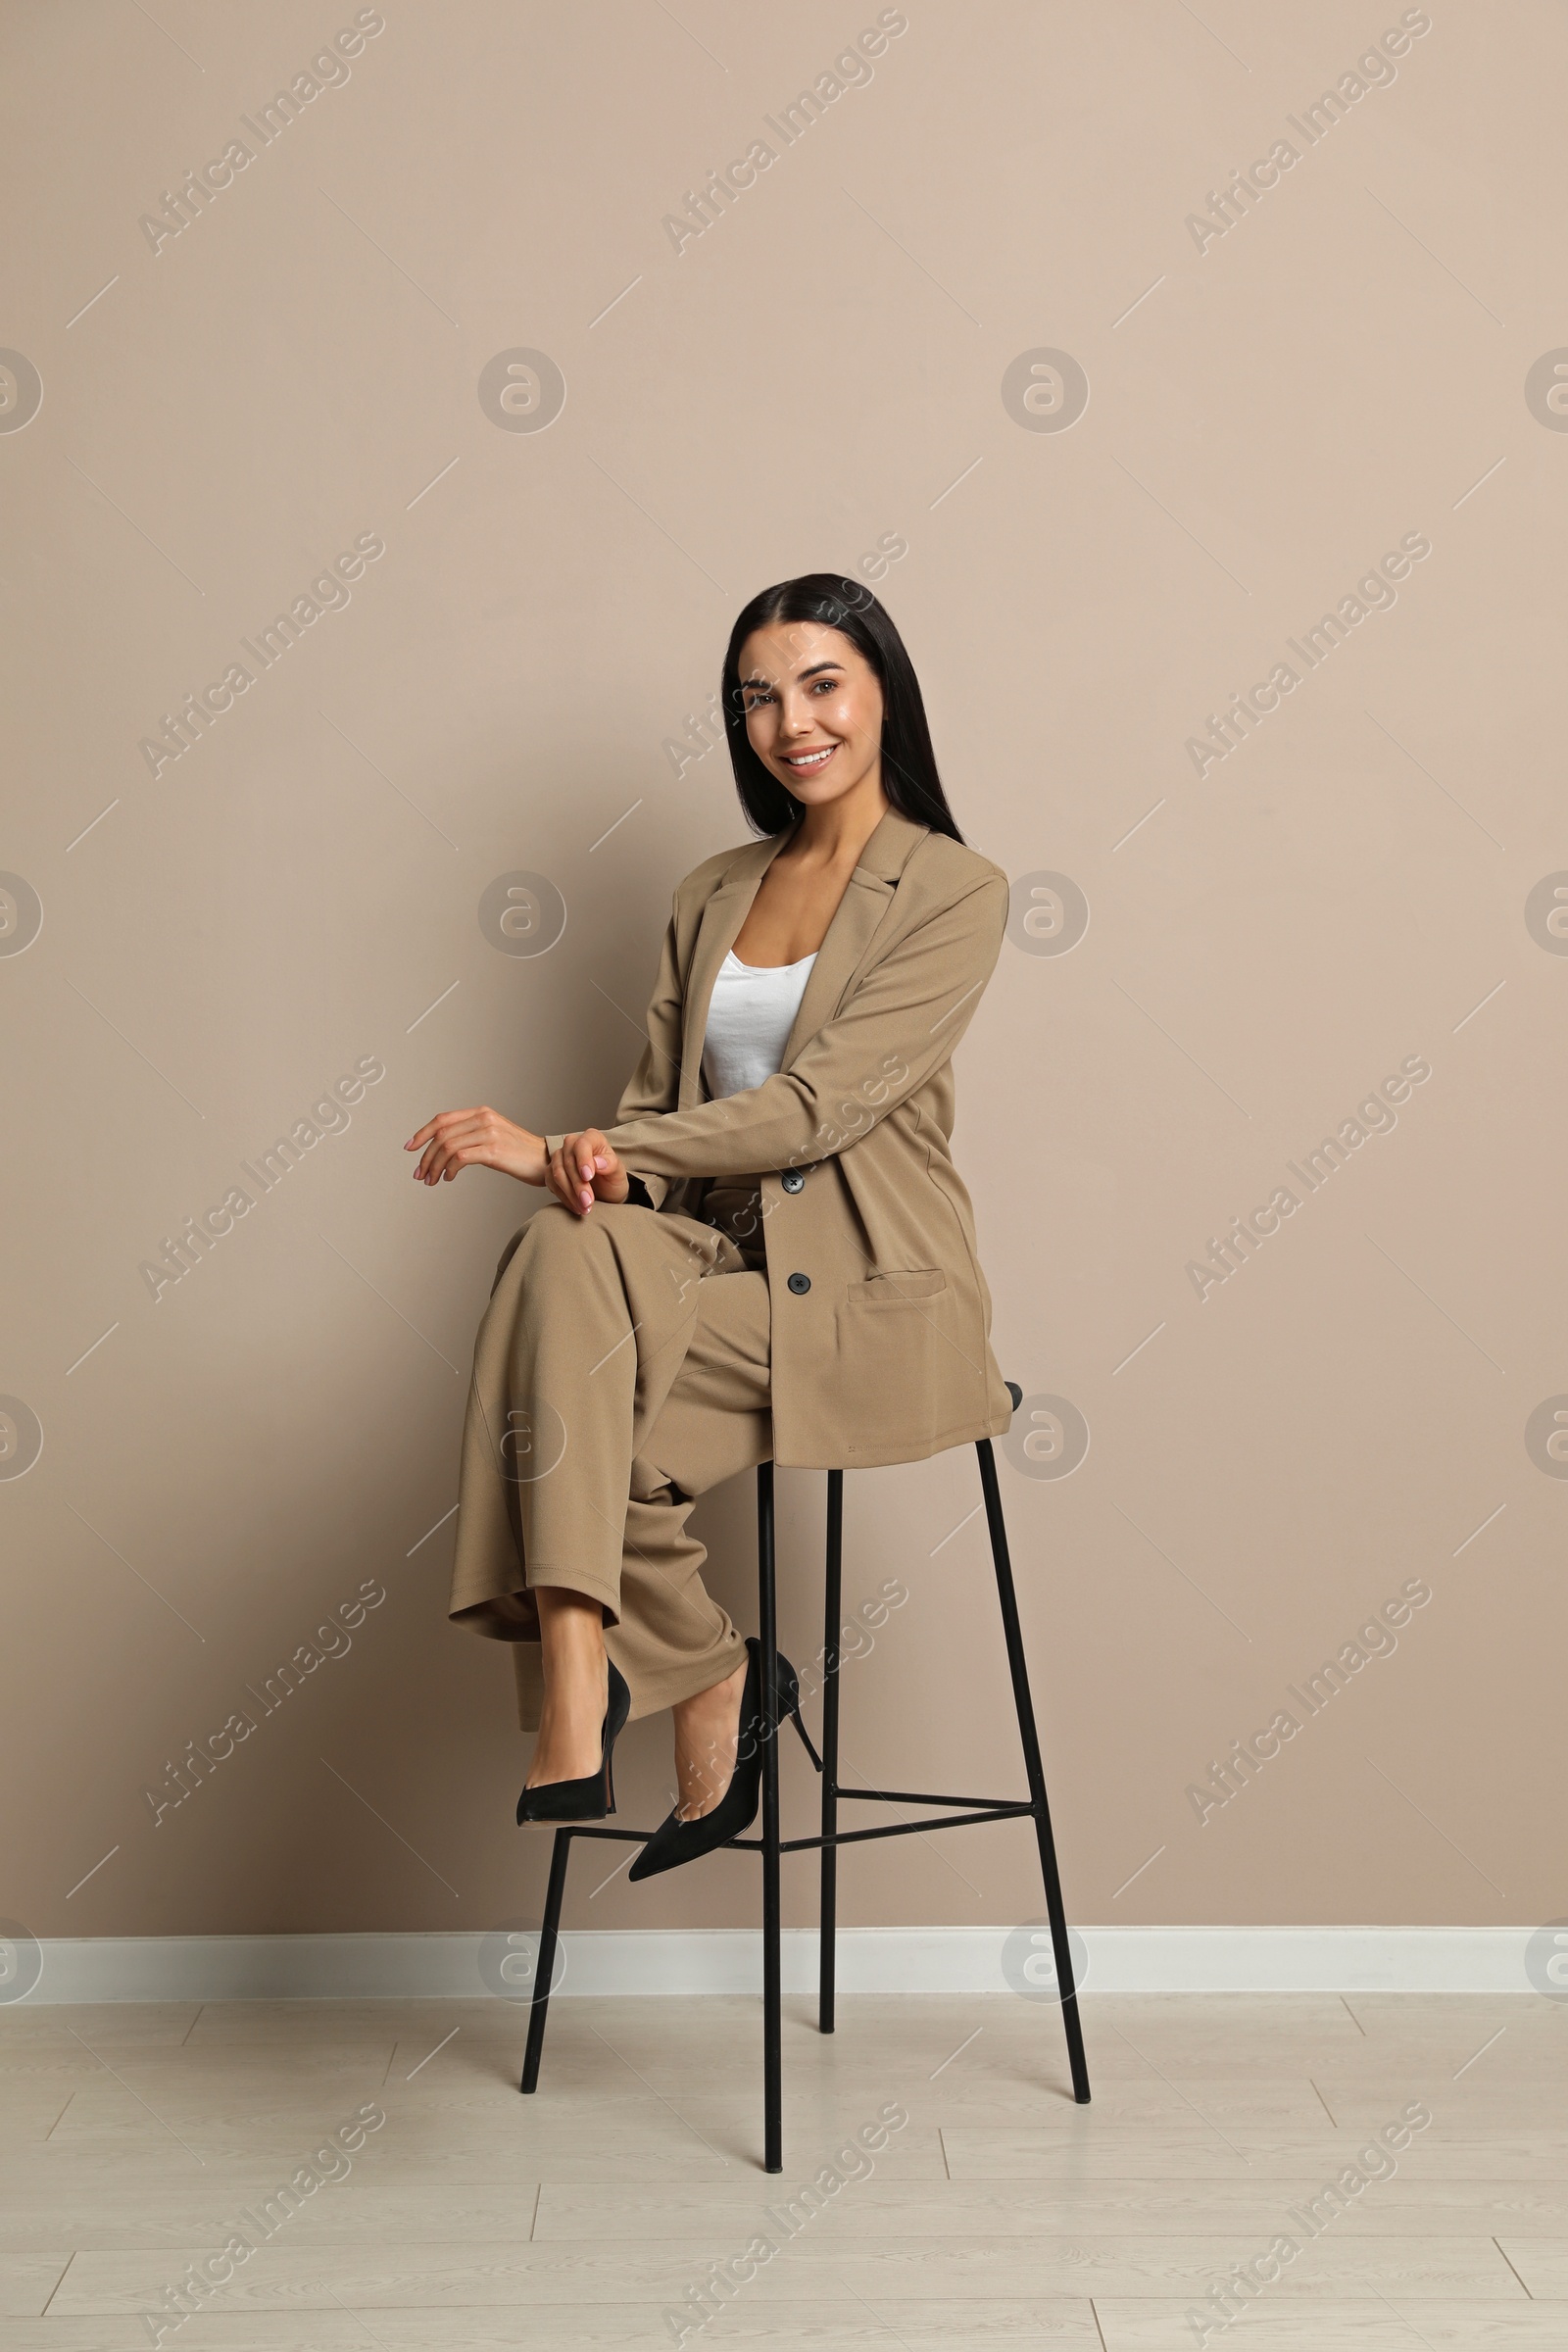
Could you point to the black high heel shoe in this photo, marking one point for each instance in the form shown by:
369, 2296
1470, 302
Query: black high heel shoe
594, 1795
675, 1841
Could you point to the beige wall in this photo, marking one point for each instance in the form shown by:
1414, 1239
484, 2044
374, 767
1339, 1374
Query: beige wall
822, 370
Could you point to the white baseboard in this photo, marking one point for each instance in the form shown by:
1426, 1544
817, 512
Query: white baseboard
875, 1960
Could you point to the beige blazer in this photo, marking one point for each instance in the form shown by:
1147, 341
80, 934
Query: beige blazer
881, 1317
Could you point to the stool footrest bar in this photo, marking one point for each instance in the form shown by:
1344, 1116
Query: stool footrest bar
921, 1796
581, 1829
891, 1829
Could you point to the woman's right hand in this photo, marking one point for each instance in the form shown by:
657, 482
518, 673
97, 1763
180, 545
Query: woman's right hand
481, 1139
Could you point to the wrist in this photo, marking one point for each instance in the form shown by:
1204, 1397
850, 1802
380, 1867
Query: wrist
533, 1158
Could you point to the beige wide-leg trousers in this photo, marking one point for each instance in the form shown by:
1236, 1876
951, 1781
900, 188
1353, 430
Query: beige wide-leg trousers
622, 1368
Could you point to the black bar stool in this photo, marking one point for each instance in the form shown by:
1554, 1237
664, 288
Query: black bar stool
964, 1812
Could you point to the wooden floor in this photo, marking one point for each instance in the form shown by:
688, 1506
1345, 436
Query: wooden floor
139, 2139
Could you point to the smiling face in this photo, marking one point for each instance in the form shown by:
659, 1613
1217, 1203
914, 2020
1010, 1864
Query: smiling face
813, 711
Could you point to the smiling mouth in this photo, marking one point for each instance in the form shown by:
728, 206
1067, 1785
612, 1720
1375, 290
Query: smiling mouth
806, 763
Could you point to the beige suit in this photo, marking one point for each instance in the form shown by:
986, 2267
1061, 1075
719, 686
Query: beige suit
805, 1285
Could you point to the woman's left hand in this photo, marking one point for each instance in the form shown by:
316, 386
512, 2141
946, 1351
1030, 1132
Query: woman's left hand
584, 1171
480, 1139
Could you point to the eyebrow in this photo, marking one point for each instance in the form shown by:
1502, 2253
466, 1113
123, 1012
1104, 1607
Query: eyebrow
806, 673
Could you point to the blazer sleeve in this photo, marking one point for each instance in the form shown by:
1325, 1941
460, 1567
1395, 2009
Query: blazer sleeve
900, 1024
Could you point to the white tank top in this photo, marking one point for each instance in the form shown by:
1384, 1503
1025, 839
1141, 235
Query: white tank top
749, 1021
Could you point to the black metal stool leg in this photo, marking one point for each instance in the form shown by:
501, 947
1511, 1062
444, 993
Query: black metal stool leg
545, 1966
767, 1631
1035, 1772
828, 1934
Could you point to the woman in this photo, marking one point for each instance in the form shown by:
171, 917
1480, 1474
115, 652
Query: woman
769, 1255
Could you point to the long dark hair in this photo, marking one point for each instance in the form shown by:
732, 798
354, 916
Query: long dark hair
910, 775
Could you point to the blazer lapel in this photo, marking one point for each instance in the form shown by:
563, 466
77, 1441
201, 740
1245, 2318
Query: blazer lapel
864, 902
849, 935
854, 926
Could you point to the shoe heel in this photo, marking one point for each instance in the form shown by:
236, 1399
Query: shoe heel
789, 1703
616, 1715
806, 1738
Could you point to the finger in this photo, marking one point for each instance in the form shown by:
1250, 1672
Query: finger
459, 1129
464, 1125
452, 1127
433, 1127
563, 1185
435, 1134
577, 1170
596, 1159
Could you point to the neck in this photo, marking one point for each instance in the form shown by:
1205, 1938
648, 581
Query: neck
836, 831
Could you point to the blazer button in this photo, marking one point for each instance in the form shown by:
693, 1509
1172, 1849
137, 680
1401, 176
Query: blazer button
800, 1284
792, 1181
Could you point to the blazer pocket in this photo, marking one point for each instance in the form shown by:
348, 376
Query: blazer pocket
899, 1288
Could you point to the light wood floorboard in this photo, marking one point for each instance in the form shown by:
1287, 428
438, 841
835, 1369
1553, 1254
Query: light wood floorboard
999, 2214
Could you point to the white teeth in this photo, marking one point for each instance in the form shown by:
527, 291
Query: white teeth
811, 758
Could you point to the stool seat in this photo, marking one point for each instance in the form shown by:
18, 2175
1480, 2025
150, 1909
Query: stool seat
957, 1812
